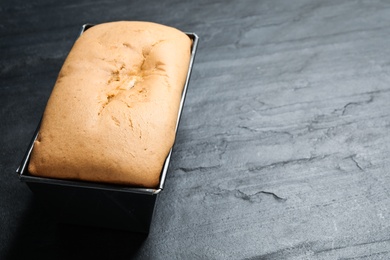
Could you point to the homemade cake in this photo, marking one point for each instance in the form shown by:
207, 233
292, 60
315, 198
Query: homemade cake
112, 113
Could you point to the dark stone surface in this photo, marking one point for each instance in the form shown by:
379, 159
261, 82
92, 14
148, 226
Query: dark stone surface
283, 151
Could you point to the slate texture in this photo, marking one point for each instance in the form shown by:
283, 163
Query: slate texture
283, 150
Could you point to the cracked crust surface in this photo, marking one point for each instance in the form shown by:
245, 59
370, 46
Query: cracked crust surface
112, 114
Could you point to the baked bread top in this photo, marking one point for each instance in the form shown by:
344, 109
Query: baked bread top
112, 113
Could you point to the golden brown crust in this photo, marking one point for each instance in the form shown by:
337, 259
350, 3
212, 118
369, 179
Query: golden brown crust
112, 114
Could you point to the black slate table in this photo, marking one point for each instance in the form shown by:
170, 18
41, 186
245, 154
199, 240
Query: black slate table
283, 150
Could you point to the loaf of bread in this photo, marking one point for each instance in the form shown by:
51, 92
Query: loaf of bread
112, 113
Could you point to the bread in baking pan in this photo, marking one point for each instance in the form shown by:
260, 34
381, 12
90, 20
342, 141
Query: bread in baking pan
112, 113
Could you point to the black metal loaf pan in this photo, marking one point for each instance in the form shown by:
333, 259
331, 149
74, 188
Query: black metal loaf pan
97, 204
